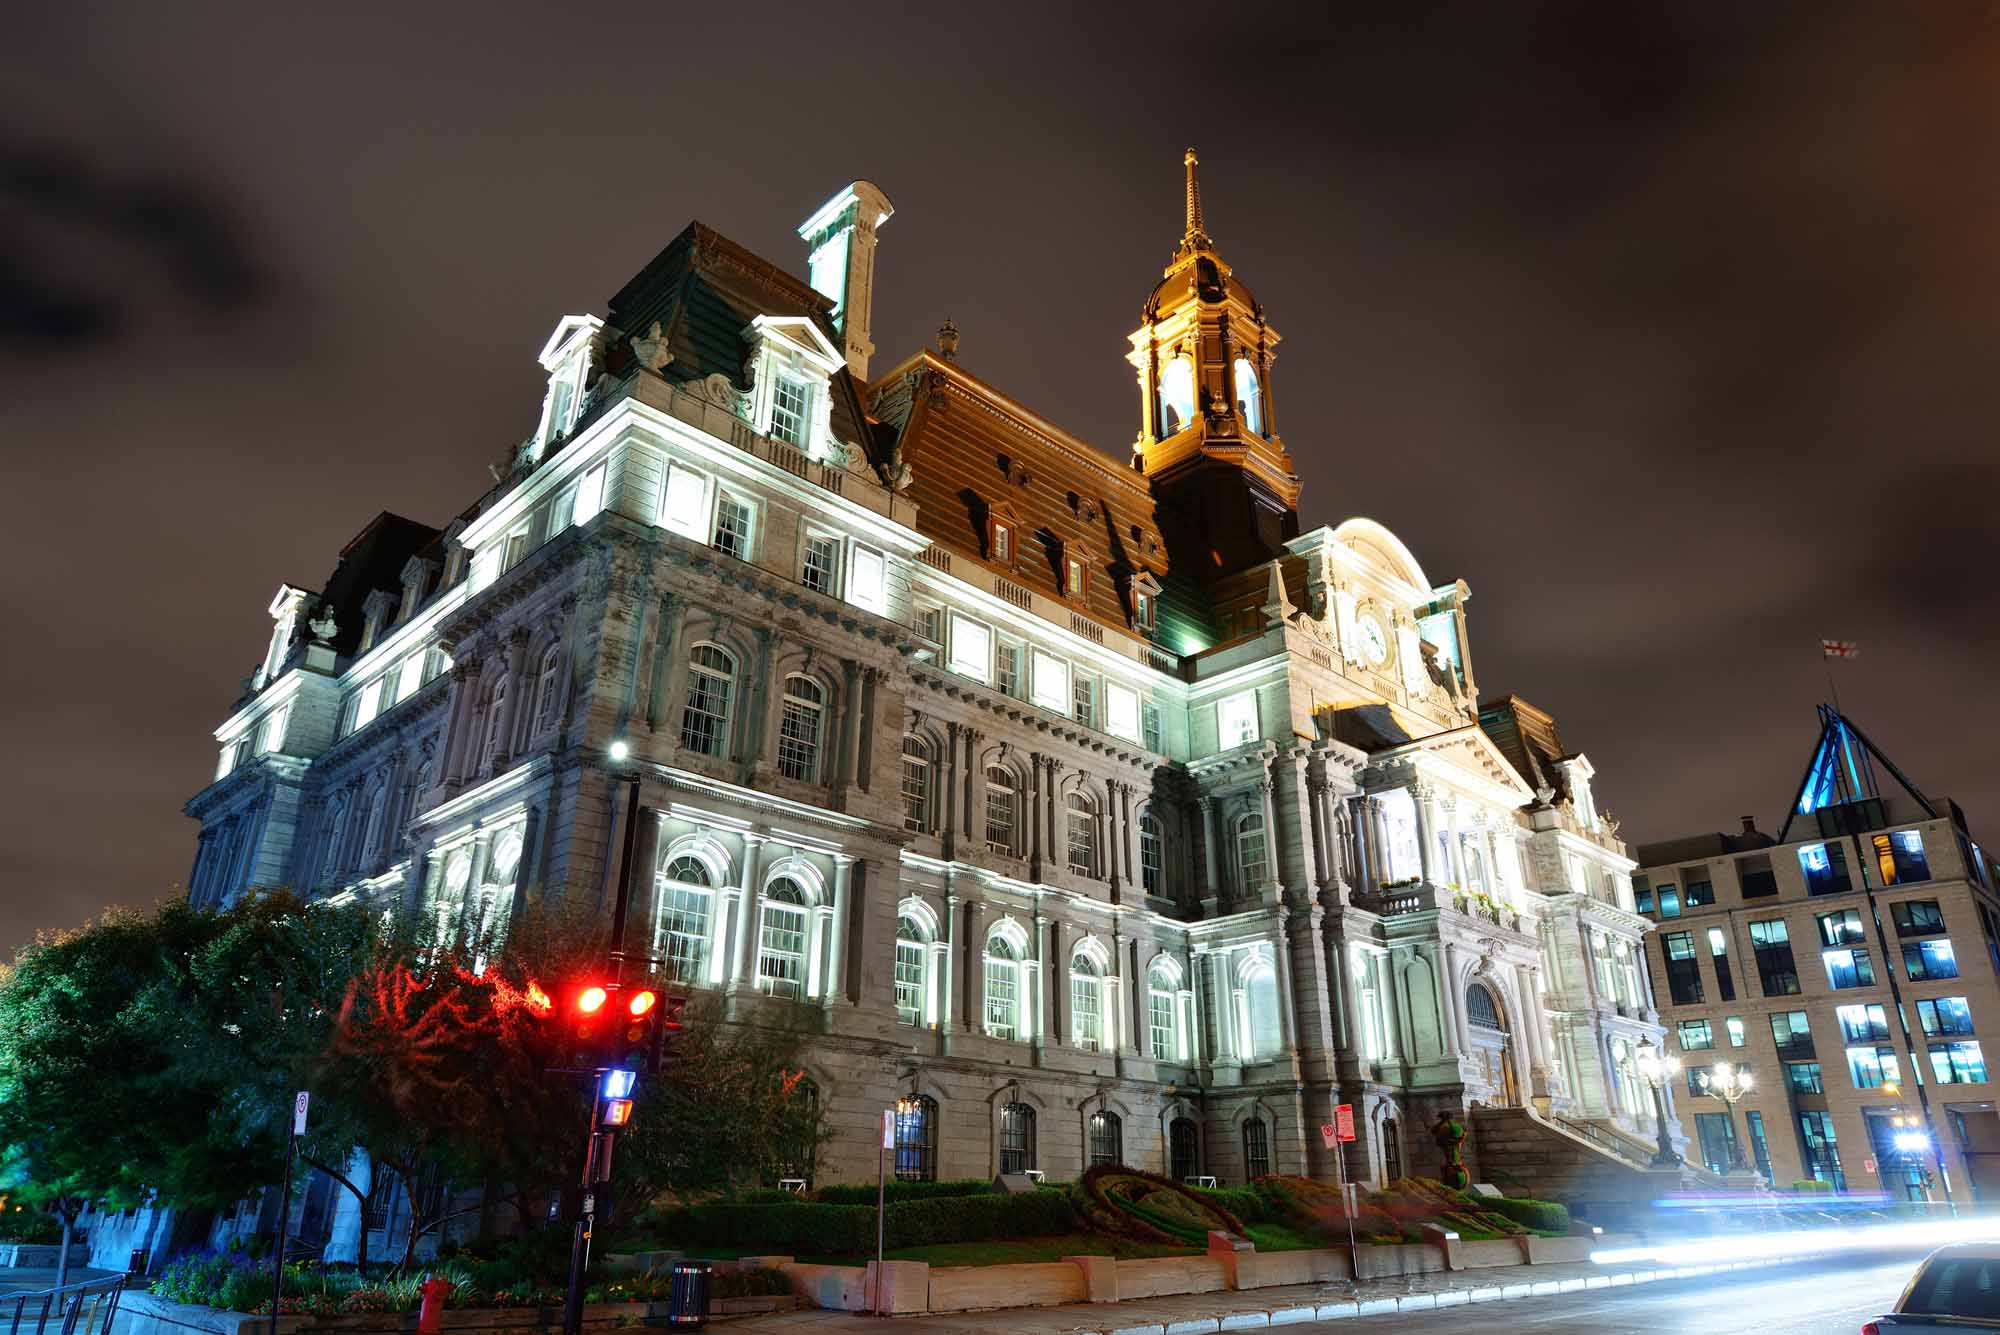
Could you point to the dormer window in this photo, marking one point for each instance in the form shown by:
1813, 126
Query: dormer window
1075, 576
791, 411
375, 614
1142, 611
568, 357
1145, 602
1001, 543
791, 362
284, 611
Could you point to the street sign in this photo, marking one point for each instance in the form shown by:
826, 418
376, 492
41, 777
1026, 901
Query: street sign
299, 1112
1868, 1164
1327, 1134
1343, 1121
888, 1128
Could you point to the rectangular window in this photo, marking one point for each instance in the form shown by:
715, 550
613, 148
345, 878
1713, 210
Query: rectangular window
1871, 1067
1007, 668
1642, 898
1804, 1077
1841, 929
1697, 1081
822, 564
275, 721
684, 506
1754, 874
411, 677
782, 951
1155, 739
1000, 997
1863, 1024
1160, 1023
1944, 1015
930, 623
1121, 711
1825, 869
1700, 894
1670, 902
1958, 1064
1076, 578
1792, 1033
1848, 968
971, 648
1003, 544
517, 547
1718, 955
868, 580
1696, 1035
1917, 917
1716, 1133
1930, 959
1899, 857
1084, 1021
1734, 1024
909, 982
1822, 1155
1776, 970
1083, 695
1236, 719
1683, 974
1050, 681
732, 527
1759, 1148
1142, 611
367, 703
791, 404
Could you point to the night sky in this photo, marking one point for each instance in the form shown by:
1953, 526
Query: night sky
1673, 332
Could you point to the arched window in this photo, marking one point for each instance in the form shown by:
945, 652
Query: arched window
910, 971
1107, 1139
1480, 1008
1256, 1149
1082, 834
371, 829
495, 700
1392, 1151
1003, 987
711, 681
916, 1138
1253, 865
1017, 1138
1475, 866
781, 941
1258, 1027
686, 903
1249, 396
916, 784
1149, 852
1000, 809
336, 834
1176, 395
1163, 1010
1182, 1160
799, 729
548, 689
1086, 1002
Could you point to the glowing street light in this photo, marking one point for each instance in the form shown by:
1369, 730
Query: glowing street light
1656, 1068
1729, 1083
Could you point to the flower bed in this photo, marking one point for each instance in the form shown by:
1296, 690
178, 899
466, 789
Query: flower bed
1124, 1202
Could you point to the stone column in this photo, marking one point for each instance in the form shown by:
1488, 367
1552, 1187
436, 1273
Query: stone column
1139, 1037
970, 773
1199, 1050
1457, 1038
749, 905
836, 983
864, 758
1209, 851
1426, 850
1114, 858
974, 947
452, 766
948, 798
1033, 813
1272, 868
948, 957
850, 717
1287, 1012
1055, 973
517, 686
1322, 867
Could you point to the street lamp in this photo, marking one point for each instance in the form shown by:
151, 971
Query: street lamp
1730, 1084
1657, 1068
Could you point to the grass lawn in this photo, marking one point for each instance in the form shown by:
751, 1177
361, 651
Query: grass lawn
1283, 1238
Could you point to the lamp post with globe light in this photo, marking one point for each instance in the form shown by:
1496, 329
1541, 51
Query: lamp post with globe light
1729, 1083
1656, 1068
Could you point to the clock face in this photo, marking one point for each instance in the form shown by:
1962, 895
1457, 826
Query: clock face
1374, 639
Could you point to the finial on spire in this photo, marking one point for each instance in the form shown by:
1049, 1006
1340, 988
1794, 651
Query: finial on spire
1196, 236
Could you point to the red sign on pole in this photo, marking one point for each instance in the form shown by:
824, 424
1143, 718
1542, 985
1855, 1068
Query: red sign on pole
1327, 1135
1343, 1121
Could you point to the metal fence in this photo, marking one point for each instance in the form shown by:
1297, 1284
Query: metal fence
85, 1308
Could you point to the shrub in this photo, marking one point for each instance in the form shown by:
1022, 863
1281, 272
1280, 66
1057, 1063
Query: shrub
34, 1226
856, 1193
1811, 1184
1243, 1202
1545, 1216
819, 1228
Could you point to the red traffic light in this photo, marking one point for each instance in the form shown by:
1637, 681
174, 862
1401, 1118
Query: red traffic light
591, 1000
642, 1002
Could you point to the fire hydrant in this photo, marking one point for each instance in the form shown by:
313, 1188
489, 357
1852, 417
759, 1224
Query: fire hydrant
435, 1288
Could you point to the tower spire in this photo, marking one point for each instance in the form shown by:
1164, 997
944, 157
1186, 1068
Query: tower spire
1196, 236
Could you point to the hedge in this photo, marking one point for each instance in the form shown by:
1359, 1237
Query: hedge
820, 1228
1812, 1184
1243, 1202
1544, 1216
857, 1193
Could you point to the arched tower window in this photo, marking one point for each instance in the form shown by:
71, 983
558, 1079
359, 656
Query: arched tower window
1249, 396
1176, 395
548, 689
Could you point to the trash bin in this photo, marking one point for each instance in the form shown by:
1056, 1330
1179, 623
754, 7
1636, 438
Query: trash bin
688, 1293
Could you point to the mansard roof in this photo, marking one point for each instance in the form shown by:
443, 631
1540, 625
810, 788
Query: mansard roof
1527, 736
974, 453
372, 559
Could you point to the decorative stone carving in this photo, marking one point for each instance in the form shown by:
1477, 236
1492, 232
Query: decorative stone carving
652, 350
323, 626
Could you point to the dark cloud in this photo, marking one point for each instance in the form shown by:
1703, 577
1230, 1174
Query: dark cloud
1671, 328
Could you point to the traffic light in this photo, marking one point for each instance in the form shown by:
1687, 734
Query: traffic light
636, 1025
585, 1012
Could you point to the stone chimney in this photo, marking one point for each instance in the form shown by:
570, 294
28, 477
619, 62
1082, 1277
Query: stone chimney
840, 240
1749, 825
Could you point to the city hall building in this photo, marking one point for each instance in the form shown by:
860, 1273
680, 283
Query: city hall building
1091, 807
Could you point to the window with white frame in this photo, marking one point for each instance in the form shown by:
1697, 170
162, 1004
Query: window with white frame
711, 682
1259, 1027
409, 677
684, 504
971, 648
1083, 695
1003, 987
910, 958
1121, 711
1082, 811
1007, 667
732, 526
548, 689
1049, 681
1253, 864
1236, 719
1155, 738
1086, 1002
590, 494
517, 547
1149, 852
274, 728
820, 568
1163, 1010
367, 703
916, 784
791, 410
799, 729
496, 722
1001, 809
867, 579
685, 904
781, 953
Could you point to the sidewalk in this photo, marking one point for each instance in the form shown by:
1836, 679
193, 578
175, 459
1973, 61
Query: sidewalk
1210, 1313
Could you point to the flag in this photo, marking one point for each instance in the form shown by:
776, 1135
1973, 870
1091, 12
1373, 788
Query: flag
1838, 648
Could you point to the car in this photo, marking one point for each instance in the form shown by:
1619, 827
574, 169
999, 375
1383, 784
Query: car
1956, 1288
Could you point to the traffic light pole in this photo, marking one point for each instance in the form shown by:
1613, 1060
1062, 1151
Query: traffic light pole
579, 1246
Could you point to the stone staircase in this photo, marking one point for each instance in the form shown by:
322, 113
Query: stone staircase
1606, 1175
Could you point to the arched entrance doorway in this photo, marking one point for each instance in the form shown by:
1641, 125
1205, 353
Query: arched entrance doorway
1489, 1043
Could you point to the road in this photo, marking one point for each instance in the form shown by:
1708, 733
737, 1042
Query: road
1812, 1298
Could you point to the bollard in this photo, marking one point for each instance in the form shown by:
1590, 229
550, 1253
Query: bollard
435, 1288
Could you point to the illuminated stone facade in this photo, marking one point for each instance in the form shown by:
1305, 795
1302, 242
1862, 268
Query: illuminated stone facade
1091, 808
